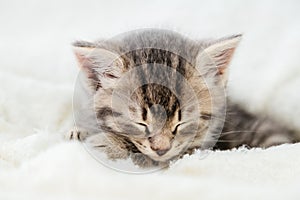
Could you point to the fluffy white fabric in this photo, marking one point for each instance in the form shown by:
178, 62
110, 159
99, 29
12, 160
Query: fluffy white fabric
38, 71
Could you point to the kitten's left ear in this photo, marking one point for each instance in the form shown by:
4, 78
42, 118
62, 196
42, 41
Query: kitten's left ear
100, 66
215, 57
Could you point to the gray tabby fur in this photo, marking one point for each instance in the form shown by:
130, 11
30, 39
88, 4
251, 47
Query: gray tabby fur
217, 123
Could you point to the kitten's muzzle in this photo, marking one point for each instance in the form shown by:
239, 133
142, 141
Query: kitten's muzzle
160, 144
160, 152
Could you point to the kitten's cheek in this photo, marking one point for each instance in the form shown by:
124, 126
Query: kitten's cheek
141, 145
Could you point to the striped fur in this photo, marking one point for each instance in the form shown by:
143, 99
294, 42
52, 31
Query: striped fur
158, 95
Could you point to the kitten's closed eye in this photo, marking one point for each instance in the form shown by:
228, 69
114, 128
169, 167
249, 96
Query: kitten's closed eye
145, 126
176, 128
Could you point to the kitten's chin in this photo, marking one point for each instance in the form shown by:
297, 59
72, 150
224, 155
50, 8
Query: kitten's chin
155, 157
169, 156
163, 159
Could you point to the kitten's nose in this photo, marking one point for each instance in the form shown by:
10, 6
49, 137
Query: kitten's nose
160, 144
161, 152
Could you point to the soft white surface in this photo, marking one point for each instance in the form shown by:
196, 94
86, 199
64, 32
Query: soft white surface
38, 70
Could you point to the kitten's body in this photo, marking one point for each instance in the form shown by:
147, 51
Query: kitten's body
162, 118
244, 128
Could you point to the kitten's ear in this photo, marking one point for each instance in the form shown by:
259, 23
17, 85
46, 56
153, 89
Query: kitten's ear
216, 56
99, 65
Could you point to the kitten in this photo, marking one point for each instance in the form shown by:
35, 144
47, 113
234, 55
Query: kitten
156, 95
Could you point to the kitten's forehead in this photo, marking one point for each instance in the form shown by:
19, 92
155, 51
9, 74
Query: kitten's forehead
157, 99
161, 57
164, 73
154, 93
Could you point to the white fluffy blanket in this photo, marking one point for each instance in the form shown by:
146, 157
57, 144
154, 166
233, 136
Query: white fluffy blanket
37, 74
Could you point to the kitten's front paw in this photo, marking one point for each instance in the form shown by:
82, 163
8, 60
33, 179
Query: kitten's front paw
76, 134
113, 147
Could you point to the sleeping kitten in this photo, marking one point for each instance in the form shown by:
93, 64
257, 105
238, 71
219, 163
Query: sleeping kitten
154, 95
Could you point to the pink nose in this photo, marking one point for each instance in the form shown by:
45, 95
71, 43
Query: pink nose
160, 144
160, 152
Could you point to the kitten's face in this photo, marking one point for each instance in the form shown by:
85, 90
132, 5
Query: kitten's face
164, 106
159, 124
162, 138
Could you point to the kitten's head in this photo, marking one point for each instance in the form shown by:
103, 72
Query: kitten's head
159, 90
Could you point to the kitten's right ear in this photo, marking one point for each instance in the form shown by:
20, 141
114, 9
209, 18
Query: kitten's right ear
99, 65
215, 58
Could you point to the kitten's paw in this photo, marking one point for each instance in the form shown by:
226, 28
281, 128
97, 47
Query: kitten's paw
76, 134
114, 148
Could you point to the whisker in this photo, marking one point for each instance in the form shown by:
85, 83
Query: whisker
232, 132
223, 141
